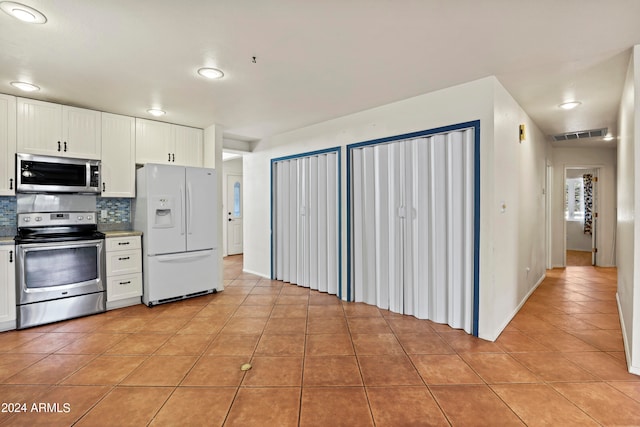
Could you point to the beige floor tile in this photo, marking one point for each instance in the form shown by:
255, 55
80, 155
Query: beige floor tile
197, 406
130, 406
261, 407
335, 406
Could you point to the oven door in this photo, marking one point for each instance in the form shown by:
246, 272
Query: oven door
48, 271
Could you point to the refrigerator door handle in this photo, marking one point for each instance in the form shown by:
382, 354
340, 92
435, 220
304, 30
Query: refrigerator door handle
182, 210
189, 209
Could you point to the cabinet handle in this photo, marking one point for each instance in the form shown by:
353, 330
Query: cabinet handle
65, 146
125, 283
123, 243
10, 256
123, 258
10, 183
173, 157
59, 148
169, 159
104, 188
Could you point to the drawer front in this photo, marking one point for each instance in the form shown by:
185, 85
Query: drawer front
125, 286
124, 262
123, 243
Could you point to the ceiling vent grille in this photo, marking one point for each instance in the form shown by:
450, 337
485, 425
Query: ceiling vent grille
583, 134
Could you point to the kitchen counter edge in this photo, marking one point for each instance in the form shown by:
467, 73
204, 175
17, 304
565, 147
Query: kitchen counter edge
124, 233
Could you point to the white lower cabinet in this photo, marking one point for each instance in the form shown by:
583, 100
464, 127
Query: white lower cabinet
7, 287
124, 271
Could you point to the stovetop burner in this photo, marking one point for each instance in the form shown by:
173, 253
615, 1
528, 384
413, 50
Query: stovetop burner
42, 227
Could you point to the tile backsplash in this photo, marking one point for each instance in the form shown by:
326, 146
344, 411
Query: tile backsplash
8, 208
118, 211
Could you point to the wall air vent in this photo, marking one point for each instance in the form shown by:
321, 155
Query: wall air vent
583, 134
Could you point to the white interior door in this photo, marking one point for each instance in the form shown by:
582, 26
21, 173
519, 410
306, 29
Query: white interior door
305, 228
413, 226
234, 214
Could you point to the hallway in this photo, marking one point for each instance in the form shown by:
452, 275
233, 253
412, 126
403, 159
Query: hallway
319, 362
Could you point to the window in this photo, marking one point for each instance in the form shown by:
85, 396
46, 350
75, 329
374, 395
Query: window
236, 199
574, 199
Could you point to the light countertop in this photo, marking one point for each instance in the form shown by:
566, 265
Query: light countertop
7, 240
122, 233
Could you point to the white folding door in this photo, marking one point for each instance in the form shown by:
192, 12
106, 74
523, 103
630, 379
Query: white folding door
305, 222
412, 226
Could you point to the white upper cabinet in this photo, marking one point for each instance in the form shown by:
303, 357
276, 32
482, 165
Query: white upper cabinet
158, 142
81, 131
153, 142
188, 146
59, 130
7, 145
118, 156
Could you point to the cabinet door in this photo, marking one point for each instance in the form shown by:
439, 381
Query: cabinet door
188, 146
154, 143
118, 156
39, 127
7, 287
7, 145
81, 135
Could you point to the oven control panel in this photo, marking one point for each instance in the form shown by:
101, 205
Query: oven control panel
48, 219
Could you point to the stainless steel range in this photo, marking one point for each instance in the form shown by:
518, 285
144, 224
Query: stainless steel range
60, 268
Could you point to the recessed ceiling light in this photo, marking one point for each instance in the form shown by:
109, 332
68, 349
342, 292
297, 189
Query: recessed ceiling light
156, 112
27, 87
570, 105
608, 138
211, 73
23, 13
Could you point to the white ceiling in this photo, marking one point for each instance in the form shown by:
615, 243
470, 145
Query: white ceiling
317, 60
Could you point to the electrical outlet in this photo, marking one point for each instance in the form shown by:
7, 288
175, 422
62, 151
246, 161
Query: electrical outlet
103, 213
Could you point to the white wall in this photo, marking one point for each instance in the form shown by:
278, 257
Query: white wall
507, 168
519, 239
628, 240
588, 158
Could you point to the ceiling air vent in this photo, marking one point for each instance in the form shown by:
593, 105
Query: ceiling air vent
582, 134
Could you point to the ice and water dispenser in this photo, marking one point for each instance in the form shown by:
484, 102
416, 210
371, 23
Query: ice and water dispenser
164, 212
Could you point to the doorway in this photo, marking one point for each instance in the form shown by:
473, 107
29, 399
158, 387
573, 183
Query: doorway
580, 216
234, 214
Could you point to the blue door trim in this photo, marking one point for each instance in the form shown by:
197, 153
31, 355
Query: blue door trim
476, 199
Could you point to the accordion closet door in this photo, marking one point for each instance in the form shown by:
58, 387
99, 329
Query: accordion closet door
412, 226
305, 224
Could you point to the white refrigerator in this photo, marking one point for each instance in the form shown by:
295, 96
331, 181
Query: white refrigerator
176, 210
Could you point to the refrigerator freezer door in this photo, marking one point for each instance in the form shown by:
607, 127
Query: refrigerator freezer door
202, 209
164, 194
179, 275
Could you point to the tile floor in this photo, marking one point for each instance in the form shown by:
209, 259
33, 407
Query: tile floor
319, 362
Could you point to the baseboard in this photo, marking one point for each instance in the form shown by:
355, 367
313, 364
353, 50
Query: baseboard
627, 353
9, 325
517, 309
112, 305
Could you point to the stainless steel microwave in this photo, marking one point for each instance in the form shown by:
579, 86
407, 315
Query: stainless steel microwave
48, 174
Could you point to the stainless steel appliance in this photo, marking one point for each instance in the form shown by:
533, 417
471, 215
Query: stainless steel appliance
60, 267
47, 174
